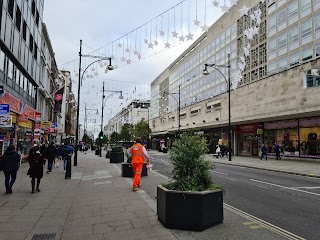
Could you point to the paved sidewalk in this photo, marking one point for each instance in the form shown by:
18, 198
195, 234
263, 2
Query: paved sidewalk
97, 203
302, 167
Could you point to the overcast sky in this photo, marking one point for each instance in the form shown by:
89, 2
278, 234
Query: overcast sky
100, 22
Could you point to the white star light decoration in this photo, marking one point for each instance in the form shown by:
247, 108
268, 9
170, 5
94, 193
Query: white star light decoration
189, 36
224, 8
156, 43
181, 38
135, 52
129, 61
175, 34
162, 33
167, 45
215, 3
204, 27
196, 22
244, 11
150, 45
119, 45
123, 59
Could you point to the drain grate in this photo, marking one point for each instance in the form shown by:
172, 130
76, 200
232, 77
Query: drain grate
45, 236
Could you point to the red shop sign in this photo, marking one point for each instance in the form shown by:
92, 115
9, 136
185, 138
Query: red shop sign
248, 128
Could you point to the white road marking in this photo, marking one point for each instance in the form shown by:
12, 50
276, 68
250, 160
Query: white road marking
280, 186
219, 172
306, 187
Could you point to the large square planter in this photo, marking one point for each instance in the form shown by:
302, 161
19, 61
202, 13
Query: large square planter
116, 157
126, 170
194, 211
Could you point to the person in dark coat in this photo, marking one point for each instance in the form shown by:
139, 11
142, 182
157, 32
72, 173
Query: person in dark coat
51, 155
36, 168
10, 162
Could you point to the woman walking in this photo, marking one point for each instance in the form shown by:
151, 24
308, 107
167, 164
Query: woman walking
36, 163
10, 164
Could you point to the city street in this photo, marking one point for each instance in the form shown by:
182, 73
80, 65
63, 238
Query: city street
284, 200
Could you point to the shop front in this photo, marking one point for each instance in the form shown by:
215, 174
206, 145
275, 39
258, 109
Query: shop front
249, 139
216, 136
309, 134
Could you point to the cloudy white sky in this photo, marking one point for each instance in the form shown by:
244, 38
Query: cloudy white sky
100, 22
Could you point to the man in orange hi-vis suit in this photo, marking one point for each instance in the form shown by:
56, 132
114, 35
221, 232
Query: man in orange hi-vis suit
138, 153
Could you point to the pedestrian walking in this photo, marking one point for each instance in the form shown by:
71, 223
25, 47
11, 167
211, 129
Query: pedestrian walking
36, 169
10, 162
66, 151
264, 152
51, 154
58, 156
139, 155
277, 150
218, 151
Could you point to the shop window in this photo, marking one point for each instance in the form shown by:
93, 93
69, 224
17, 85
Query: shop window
293, 12
312, 78
309, 137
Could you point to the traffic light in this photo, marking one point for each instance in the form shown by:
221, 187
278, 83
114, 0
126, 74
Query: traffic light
101, 135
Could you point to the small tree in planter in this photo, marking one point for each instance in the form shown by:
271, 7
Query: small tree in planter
116, 154
191, 201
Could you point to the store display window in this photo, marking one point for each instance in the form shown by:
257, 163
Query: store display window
310, 137
286, 134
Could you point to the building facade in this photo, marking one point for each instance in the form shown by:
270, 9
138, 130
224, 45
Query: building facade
133, 113
275, 101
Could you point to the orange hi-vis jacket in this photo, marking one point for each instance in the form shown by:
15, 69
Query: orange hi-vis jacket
137, 153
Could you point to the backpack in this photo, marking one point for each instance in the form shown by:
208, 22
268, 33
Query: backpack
65, 151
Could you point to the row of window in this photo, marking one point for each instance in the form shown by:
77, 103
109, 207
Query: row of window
15, 75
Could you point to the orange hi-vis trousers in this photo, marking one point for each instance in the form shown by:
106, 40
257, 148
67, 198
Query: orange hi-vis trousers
137, 170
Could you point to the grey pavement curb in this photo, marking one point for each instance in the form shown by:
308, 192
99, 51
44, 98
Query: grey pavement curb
269, 169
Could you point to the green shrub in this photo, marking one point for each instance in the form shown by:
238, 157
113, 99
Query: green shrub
191, 172
116, 148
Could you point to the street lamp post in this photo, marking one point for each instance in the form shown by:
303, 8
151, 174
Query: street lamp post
178, 101
205, 72
102, 107
85, 116
109, 67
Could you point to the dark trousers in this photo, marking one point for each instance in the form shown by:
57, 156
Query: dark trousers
33, 181
263, 155
10, 178
278, 155
50, 163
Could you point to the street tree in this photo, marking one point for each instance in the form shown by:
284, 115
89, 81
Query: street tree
126, 132
141, 129
86, 138
114, 137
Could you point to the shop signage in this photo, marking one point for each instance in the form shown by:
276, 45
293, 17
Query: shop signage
14, 117
5, 121
249, 128
281, 124
38, 117
4, 109
46, 124
53, 128
309, 122
37, 132
27, 125
23, 118
58, 100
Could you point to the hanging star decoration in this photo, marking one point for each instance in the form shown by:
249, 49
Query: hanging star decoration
224, 8
127, 50
150, 45
196, 22
119, 45
156, 43
246, 51
175, 34
146, 41
215, 3
189, 36
204, 27
129, 61
139, 56
255, 30
162, 33
244, 11
243, 60
232, 2
241, 66
123, 59
253, 17
135, 52
167, 45
181, 38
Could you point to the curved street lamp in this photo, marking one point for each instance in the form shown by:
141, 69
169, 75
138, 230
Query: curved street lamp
206, 72
178, 102
109, 67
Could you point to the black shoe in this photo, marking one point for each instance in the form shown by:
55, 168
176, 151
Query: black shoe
10, 190
7, 191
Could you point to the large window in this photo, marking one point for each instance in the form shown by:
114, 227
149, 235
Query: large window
307, 53
294, 59
272, 25
306, 31
282, 43
317, 26
10, 69
282, 19
312, 78
294, 38
317, 49
2, 60
293, 12
272, 48
305, 8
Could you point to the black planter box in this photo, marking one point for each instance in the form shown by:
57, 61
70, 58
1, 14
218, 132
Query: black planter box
194, 211
126, 170
116, 157
108, 154
97, 152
